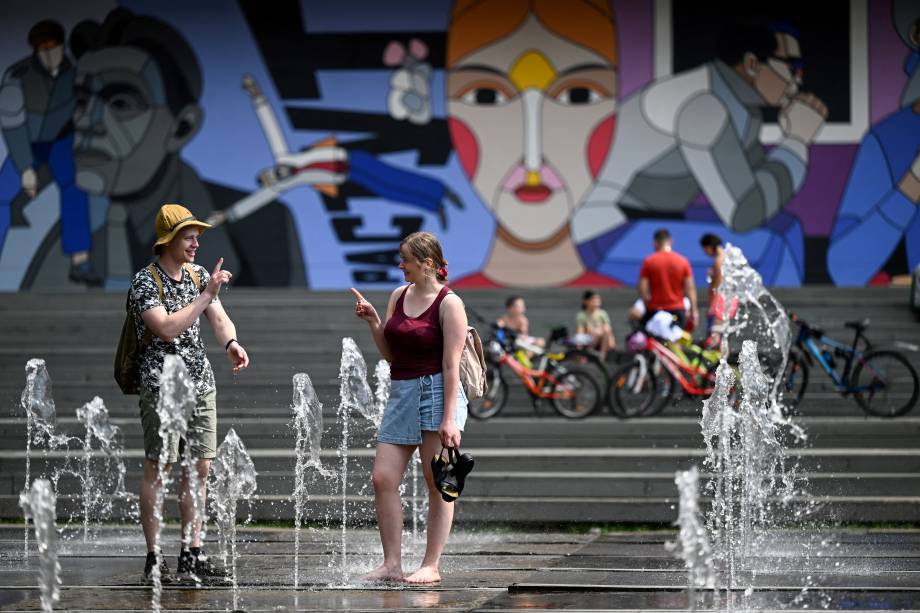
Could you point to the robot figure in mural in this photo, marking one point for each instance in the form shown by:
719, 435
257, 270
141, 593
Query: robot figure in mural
138, 83
699, 131
326, 165
878, 212
36, 105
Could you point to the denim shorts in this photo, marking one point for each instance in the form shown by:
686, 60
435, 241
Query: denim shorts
416, 405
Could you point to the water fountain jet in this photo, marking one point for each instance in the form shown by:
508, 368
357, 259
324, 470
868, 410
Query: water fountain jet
39, 504
233, 478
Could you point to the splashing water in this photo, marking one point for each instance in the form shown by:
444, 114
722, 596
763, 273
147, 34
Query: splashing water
308, 428
102, 487
750, 312
233, 478
41, 418
743, 428
354, 395
308, 423
419, 503
37, 398
177, 401
693, 544
382, 384
39, 505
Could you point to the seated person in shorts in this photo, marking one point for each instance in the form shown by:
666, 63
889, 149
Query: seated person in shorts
592, 325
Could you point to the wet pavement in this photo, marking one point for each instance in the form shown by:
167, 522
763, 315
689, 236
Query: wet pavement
488, 570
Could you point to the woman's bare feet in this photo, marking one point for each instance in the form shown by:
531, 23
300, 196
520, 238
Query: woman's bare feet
426, 575
384, 574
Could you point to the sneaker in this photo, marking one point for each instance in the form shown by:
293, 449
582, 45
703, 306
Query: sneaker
83, 273
150, 564
199, 566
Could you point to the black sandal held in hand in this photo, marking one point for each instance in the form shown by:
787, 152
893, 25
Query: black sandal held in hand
449, 474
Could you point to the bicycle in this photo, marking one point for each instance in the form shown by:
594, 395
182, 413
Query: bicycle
645, 385
572, 392
882, 381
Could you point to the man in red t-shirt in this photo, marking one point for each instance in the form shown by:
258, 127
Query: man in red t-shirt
664, 280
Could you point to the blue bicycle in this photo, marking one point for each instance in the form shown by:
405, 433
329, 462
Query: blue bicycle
882, 381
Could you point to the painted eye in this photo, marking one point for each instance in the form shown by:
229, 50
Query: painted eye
484, 96
121, 103
578, 95
126, 104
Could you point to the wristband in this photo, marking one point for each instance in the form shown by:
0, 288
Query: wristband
232, 340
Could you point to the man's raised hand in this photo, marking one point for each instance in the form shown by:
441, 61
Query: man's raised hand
218, 278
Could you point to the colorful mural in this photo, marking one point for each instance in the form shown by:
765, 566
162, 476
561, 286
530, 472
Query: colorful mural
543, 140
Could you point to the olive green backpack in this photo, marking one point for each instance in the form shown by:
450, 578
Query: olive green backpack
128, 353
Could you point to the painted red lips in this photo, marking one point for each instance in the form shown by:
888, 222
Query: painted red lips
533, 193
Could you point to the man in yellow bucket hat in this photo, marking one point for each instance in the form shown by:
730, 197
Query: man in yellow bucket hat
166, 299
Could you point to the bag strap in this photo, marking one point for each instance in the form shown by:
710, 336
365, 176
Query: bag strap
193, 275
148, 335
156, 279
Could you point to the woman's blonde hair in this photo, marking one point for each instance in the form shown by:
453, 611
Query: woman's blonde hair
424, 245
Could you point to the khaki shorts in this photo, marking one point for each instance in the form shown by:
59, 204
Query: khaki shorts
202, 428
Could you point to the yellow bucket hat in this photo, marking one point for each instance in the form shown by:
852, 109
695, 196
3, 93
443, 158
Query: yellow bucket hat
170, 219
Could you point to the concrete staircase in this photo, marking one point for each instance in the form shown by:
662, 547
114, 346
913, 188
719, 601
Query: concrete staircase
531, 467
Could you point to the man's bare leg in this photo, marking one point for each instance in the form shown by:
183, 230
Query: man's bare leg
150, 486
191, 525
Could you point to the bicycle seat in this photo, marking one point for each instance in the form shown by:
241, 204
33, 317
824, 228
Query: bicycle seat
859, 326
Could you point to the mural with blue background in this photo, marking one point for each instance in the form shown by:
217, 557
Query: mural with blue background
543, 141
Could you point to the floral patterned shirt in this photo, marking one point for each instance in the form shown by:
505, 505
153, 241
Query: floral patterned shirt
188, 345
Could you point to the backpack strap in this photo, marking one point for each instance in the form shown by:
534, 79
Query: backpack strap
193, 275
157, 279
148, 335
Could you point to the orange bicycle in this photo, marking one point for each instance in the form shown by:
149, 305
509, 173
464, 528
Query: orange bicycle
572, 392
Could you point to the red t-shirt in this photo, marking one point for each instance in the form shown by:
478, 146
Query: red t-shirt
665, 271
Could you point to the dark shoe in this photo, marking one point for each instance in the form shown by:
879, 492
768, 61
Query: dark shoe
150, 564
198, 566
83, 273
449, 473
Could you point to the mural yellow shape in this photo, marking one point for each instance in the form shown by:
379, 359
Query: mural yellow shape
532, 70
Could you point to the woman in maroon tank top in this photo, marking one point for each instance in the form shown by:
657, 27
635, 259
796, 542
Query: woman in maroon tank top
422, 336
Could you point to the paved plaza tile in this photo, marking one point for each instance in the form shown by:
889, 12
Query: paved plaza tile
484, 570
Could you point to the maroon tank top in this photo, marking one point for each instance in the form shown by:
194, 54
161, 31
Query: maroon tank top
416, 343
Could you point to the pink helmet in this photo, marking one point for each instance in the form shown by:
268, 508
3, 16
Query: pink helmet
637, 341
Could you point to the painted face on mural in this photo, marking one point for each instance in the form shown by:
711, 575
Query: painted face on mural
779, 78
50, 55
531, 118
124, 129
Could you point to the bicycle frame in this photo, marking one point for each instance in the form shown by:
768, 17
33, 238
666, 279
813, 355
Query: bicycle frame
683, 373
534, 379
812, 343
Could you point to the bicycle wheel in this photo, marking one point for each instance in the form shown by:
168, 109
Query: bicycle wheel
793, 383
576, 395
591, 363
495, 397
665, 388
632, 390
889, 383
